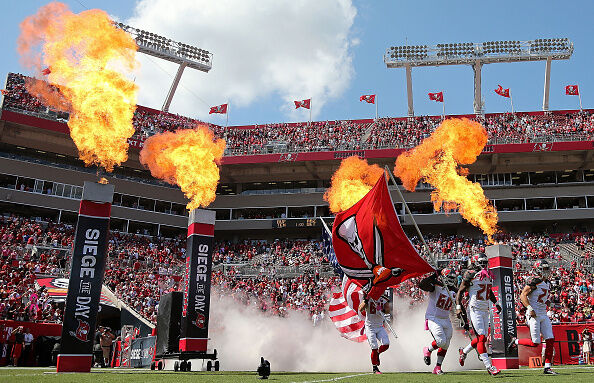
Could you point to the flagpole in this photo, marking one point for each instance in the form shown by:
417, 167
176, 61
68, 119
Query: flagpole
310, 107
376, 107
326, 227
511, 100
580, 97
442, 105
227, 122
409, 213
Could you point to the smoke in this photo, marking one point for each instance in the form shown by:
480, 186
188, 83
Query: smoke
242, 334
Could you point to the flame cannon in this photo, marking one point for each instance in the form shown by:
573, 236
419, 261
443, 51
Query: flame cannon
190, 314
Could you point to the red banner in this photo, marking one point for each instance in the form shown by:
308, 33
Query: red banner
567, 343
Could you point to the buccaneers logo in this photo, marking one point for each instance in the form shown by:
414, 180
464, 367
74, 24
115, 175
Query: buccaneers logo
82, 332
200, 321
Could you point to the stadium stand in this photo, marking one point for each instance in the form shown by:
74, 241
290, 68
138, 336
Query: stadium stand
331, 135
142, 268
268, 253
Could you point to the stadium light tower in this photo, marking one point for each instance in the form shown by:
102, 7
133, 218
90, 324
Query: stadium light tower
183, 54
476, 55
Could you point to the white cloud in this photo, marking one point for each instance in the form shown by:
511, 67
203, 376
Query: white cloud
262, 48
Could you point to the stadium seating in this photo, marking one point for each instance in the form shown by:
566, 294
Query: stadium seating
141, 268
332, 135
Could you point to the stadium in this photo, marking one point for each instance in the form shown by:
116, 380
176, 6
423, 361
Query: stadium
273, 269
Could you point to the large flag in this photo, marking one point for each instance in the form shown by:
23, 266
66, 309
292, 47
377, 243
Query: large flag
502, 92
371, 246
369, 98
572, 90
347, 321
222, 109
328, 251
436, 96
303, 104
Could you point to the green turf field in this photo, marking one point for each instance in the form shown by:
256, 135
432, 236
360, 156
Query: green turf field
34, 375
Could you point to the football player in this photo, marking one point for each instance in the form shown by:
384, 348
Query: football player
534, 297
377, 336
478, 281
441, 287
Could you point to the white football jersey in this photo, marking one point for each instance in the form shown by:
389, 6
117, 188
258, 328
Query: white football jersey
373, 315
479, 291
440, 302
539, 296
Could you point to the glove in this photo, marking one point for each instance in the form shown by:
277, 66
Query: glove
498, 307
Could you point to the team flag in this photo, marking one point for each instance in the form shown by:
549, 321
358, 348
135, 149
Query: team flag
46, 71
222, 109
371, 247
369, 98
572, 90
436, 96
4, 92
347, 321
302, 104
502, 92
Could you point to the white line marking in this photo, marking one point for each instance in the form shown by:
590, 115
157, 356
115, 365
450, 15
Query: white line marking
335, 379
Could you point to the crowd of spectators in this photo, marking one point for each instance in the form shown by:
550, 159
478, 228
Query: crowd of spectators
333, 135
142, 268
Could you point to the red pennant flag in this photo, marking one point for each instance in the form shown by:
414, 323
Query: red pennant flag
46, 71
303, 104
371, 246
436, 96
222, 109
369, 98
502, 92
572, 90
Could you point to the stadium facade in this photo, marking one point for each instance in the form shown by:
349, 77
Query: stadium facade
542, 184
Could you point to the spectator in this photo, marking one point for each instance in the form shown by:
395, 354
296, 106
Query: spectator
28, 341
17, 348
106, 342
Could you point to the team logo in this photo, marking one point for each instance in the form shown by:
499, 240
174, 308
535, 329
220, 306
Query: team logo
82, 332
543, 147
200, 321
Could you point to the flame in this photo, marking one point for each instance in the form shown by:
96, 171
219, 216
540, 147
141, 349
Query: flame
89, 59
436, 161
188, 158
353, 179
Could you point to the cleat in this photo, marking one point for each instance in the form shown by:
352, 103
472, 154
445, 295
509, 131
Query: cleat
549, 371
437, 370
426, 356
462, 357
512, 345
493, 370
376, 370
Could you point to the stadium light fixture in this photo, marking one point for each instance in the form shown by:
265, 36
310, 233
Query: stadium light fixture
476, 55
166, 49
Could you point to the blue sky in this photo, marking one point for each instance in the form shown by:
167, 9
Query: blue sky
378, 25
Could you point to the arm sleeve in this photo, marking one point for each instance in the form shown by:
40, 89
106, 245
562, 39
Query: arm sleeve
428, 284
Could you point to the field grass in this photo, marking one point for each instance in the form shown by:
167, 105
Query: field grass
34, 375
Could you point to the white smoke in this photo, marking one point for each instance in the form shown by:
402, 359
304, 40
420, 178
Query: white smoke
243, 334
